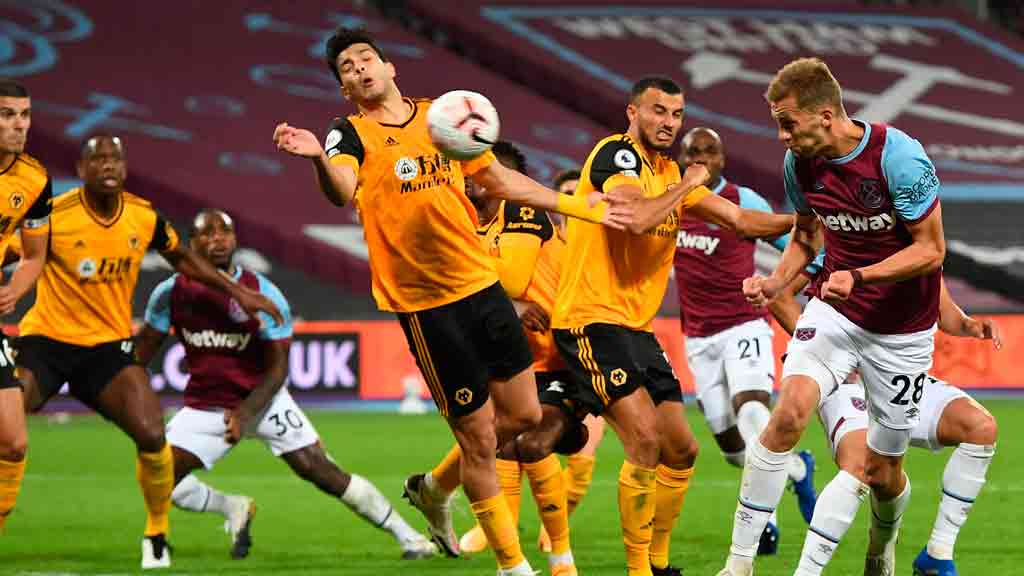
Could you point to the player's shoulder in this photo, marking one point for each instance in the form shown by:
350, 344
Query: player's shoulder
32, 165
898, 142
616, 151
135, 200
266, 285
70, 200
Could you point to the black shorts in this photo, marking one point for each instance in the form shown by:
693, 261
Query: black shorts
561, 388
86, 369
462, 346
7, 377
611, 362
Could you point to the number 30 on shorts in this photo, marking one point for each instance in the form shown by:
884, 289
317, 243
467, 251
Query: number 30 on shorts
902, 384
282, 420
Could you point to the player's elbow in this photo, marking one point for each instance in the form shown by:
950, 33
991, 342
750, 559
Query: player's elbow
935, 255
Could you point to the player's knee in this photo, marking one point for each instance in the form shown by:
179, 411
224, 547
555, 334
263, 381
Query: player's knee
641, 443
529, 417
854, 468
14, 449
982, 430
150, 438
785, 426
532, 447
883, 478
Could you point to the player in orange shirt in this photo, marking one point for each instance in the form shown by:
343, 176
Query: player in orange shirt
79, 330
611, 288
24, 205
428, 267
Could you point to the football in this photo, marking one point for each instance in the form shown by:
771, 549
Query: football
463, 124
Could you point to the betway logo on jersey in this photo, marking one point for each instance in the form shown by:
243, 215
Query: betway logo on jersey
211, 339
846, 222
705, 244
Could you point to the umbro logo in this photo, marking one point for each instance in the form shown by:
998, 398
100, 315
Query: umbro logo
390, 141
819, 185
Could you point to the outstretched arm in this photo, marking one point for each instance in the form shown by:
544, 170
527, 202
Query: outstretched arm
337, 179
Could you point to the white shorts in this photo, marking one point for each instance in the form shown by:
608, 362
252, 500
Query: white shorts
283, 427
827, 347
738, 359
845, 411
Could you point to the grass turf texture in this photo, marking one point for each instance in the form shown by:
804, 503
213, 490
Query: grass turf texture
80, 509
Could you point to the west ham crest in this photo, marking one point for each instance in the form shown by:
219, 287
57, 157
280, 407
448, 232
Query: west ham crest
805, 334
871, 193
236, 312
859, 403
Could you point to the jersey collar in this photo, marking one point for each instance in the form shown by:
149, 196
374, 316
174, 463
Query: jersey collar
860, 145
721, 186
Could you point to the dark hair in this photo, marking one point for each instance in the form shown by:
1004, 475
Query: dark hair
663, 83
508, 150
564, 176
12, 89
89, 143
342, 39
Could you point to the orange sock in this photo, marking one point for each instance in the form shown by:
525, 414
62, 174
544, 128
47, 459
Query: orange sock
546, 484
447, 474
496, 521
11, 474
155, 473
510, 478
579, 472
672, 485
636, 511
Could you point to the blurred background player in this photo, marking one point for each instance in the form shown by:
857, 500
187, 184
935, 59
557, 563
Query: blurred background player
25, 194
237, 367
949, 417
461, 327
871, 190
728, 341
79, 330
608, 294
528, 252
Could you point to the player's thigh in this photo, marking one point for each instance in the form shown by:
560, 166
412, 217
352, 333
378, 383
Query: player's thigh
852, 452
599, 357
706, 363
749, 359
497, 333
950, 417
43, 366
894, 371
116, 386
283, 426
821, 349
843, 413
634, 419
199, 433
455, 372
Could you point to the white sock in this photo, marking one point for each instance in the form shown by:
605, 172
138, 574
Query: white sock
796, 469
886, 519
521, 569
751, 420
737, 459
764, 480
364, 499
961, 483
563, 558
195, 496
836, 509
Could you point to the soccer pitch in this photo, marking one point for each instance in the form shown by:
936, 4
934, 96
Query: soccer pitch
80, 509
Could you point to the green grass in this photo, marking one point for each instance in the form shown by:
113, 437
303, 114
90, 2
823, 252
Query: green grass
80, 509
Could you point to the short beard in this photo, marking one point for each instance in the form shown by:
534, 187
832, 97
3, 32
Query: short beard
651, 145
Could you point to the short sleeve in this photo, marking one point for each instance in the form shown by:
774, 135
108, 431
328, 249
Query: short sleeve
343, 145
527, 220
158, 309
165, 239
816, 265
270, 329
38, 216
913, 184
615, 163
470, 167
753, 201
794, 192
